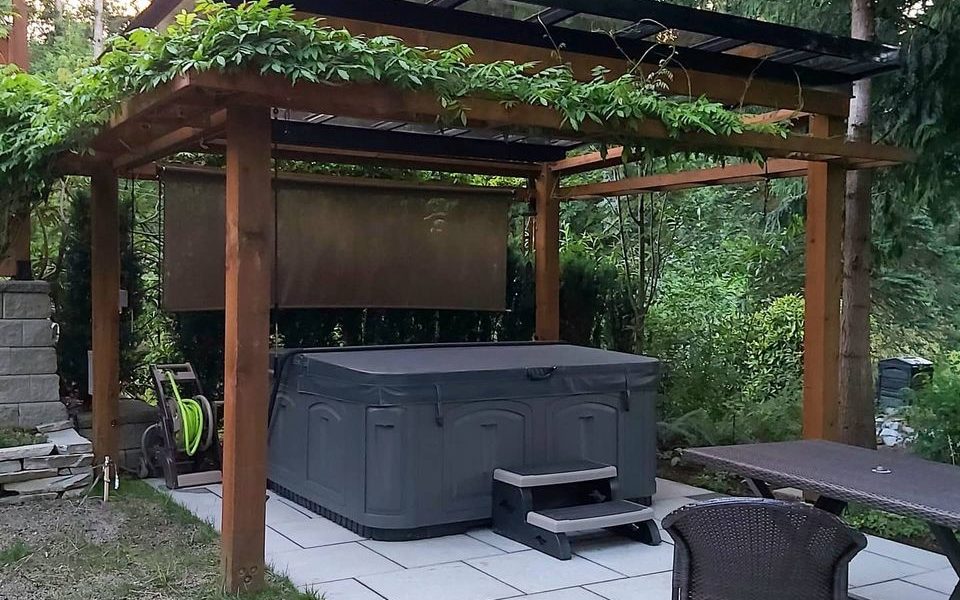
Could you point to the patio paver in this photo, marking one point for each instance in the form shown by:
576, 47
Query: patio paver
534, 571
433, 551
330, 563
648, 587
454, 581
322, 556
897, 590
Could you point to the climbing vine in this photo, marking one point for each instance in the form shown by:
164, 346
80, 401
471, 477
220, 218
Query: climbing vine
40, 119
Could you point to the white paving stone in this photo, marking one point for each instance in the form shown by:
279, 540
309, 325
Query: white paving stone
662, 508
534, 571
453, 581
330, 563
942, 580
667, 489
868, 568
897, 590
496, 540
346, 589
626, 556
432, 551
315, 532
905, 553
280, 510
648, 587
577, 593
274, 543
200, 502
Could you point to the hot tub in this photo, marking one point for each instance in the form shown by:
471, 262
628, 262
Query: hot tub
400, 442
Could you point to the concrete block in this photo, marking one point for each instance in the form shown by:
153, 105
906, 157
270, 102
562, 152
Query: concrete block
28, 361
55, 426
37, 333
130, 411
9, 415
19, 389
130, 460
16, 286
25, 498
11, 332
36, 413
26, 305
10, 466
58, 483
69, 441
58, 461
30, 451
19, 476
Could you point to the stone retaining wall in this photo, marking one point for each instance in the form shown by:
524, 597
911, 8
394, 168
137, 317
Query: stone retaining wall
29, 384
60, 466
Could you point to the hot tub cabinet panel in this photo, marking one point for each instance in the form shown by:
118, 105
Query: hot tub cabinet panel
401, 442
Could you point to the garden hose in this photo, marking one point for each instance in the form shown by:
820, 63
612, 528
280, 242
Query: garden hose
191, 418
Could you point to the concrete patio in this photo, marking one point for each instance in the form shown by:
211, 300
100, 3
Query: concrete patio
335, 563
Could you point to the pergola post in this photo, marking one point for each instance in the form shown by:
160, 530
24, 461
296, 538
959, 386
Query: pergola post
249, 220
547, 257
826, 187
14, 50
105, 304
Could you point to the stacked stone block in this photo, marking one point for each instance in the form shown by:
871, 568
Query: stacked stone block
62, 466
29, 384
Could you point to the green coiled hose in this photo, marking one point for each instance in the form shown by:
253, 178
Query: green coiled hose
191, 418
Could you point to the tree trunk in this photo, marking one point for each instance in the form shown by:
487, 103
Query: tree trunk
97, 27
856, 369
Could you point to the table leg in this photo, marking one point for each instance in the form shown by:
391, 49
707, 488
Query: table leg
759, 488
951, 547
835, 507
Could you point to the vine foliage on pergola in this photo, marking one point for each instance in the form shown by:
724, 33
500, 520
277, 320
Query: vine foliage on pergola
40, 119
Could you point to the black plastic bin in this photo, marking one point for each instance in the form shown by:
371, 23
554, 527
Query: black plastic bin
401, 442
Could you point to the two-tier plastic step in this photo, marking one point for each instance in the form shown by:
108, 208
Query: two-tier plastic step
540, 505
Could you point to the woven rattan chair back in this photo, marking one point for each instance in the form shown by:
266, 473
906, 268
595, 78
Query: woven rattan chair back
746, 548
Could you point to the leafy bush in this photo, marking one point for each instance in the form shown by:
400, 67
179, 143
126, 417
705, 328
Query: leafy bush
935, 413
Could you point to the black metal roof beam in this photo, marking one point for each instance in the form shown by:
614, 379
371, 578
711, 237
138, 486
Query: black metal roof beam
730, 26
344, 137
430, 18
551, 16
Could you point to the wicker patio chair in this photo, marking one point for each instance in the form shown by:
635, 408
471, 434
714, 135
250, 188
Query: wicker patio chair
746, 548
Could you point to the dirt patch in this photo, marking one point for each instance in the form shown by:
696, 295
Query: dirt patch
140, 545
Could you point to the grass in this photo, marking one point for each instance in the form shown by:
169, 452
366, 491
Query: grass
15, 436
14, 552
140, 545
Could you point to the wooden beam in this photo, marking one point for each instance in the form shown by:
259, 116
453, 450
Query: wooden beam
826, 186
722, 88
401, 161
170, 143
547, 257
382, 102
358, 182
732, 174
249, 228
17, 51
105, 303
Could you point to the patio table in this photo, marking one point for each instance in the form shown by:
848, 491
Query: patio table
889, 481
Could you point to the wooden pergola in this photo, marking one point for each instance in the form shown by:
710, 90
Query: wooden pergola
731, 60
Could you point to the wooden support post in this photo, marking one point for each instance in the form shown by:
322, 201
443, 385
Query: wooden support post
105, 302
14, 50
826, 187
249, 223
547, 257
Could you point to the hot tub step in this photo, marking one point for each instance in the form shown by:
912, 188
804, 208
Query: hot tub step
555, 474
570, 519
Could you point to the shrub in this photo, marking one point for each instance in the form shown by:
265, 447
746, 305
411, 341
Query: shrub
935, 413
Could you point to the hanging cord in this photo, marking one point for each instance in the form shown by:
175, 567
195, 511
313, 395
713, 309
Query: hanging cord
191, 418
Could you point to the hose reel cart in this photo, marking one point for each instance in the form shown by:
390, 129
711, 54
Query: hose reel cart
183, 444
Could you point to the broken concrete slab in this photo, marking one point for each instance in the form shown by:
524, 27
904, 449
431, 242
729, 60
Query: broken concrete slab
29, 451
55, 426
69, 441
58, 461
18, 476
56, 484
